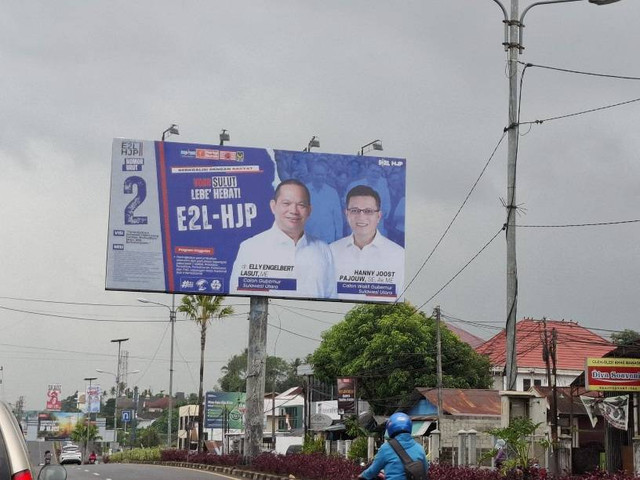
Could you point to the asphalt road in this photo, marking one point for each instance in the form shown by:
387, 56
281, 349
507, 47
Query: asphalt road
120, 471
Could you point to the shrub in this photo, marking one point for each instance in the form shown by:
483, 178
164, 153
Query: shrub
358, 450
313, 445
137, 455
310, 467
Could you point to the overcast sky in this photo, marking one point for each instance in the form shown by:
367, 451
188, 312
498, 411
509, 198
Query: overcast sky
427, 78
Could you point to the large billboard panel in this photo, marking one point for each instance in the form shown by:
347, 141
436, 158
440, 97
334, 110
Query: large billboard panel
222, 220
613, 374
224, 410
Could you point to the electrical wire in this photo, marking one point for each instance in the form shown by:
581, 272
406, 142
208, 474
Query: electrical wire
461, 270
579, 72
454, 217
571, 225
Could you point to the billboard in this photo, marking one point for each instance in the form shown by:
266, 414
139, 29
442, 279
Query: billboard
347, 395
613, 374
53, 397
224, 410
204, 219
57, 425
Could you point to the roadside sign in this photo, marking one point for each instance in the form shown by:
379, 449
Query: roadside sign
126, 416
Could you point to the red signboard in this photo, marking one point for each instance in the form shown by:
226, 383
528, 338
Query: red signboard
613, 374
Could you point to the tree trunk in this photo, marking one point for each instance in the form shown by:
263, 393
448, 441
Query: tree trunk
203, 339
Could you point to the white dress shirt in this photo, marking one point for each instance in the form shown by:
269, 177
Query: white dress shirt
270, 263
375, 272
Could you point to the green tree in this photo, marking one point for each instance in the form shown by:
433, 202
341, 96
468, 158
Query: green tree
625, 337
280, 374
518, 437
80, 436
70, 403
392, 350
201, 309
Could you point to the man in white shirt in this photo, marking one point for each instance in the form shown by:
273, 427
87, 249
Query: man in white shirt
368, 265
284, 261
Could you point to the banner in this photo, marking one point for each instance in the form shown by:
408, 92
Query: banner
347, 395
224, 410
613, 374
53, 397
218, 220
93, 396
615, 410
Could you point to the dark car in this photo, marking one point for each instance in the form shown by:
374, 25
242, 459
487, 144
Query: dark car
14, 456
293, 449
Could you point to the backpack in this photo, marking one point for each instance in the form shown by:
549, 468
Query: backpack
413, 469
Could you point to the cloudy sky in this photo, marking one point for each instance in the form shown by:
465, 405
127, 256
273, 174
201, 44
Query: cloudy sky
427, 78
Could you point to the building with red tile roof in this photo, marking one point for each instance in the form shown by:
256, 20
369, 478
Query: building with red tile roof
464, 336
575, 343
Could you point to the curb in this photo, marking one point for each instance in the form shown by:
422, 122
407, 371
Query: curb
237, 472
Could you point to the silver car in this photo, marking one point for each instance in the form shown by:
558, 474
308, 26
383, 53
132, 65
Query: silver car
14, 456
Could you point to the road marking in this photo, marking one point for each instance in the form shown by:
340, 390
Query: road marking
96, 474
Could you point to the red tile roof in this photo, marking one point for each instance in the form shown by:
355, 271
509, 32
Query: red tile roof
465, 336
575, 344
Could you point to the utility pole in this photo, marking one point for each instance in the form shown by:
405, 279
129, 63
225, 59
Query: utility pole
256, 368
439, 365
513, 46
554, 402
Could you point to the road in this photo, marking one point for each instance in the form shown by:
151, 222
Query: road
122, 471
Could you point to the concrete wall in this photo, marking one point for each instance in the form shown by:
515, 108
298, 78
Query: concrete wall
452, 425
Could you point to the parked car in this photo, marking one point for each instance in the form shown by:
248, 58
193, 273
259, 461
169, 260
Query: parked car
14, 456
70, 454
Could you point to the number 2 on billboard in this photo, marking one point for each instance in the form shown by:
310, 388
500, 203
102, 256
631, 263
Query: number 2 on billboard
141, 194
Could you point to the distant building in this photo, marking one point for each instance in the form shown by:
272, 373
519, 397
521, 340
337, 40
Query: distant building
574, 344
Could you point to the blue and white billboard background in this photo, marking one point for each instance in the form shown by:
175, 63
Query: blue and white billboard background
180, 212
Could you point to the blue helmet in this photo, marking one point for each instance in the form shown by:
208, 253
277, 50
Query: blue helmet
398, 423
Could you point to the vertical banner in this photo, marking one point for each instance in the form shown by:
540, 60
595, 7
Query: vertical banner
224, 410
93, 396
347, 395
223, 220
53, 397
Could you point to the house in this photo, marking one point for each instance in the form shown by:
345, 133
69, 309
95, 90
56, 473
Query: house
472, 411
574, 344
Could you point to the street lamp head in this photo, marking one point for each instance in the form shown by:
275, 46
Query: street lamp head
314, 142
118, 340
224, 136
172, 130
603, 2
375, 145
90, 379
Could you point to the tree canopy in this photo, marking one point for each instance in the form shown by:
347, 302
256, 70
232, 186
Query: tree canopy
625, 337
391, 349
280, 374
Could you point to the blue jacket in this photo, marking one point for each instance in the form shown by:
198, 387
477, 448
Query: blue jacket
388, 459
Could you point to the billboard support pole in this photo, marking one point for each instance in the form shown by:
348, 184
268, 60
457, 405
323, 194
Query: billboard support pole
256, 368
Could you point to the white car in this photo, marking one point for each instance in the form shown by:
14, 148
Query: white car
70, 454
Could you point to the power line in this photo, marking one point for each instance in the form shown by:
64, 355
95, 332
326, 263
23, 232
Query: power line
461, 269
571, 225
455, 216
579, 72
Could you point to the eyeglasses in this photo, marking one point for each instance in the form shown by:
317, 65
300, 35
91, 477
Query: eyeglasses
367, 211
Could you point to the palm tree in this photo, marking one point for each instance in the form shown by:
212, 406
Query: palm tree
201, 309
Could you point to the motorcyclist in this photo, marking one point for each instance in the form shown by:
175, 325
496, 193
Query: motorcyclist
398, 427
92, 457
47, 457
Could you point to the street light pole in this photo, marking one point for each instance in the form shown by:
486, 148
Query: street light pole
172, 320
514, 24
88, 402
115, 406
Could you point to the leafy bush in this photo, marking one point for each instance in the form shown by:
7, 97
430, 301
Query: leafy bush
173, 455
358, 450
313, 445
137, 455
310, 467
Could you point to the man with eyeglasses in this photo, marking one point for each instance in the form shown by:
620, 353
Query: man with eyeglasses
368, 265
285, 261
